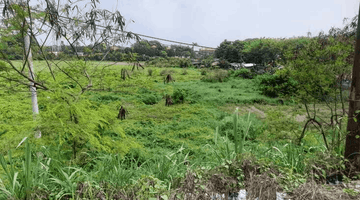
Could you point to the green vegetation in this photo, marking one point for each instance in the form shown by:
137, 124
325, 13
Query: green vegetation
210, 131
85, 150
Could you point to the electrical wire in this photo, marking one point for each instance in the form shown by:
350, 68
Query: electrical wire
142, 35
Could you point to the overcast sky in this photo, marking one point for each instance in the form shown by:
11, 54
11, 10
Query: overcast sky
209, 22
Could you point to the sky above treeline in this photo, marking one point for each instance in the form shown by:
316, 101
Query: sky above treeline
209, 22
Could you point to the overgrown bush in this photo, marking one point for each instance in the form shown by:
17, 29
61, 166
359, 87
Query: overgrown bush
257, 127
207, 61
169, 62
149, 97
280, 127
184, 63
204, 71
224, 64
166, 72
179, 96
184, 72
244, 73
277, 85
150, 72
218, 75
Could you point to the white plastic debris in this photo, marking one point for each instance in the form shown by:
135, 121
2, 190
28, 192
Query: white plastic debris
242, 196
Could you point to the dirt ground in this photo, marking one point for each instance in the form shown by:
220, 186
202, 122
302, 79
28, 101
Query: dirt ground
121, 63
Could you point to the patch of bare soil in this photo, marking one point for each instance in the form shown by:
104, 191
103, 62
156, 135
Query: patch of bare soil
117, 63
257, 112
121, 63
300, 118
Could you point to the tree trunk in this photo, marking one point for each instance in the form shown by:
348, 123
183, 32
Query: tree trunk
352, 147
34, 101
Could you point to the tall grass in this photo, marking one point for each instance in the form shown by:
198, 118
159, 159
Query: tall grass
224, 149
20, 182
169, 140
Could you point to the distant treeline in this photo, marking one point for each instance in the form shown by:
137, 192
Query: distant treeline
145, 49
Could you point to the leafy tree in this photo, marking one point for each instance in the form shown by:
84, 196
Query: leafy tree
320, 65
230, 51
163, 54
261, 51
73, 25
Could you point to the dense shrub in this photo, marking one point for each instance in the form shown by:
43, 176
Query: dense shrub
166, 72
277, 85
257, 127
179, 96
279, 127
169, 62
244, 73
184, 72
204, 71
150, 72
224, 64
184, 63
149, 97
218, 75
207, 61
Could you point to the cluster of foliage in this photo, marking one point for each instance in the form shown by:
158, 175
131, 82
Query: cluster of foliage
149, 97
217, 75
207, 61
153, 145
145, 49
243, 73
230, 51
85, 152
259, 51
169, 62
278, 85
180, 96
156, 49
257, 127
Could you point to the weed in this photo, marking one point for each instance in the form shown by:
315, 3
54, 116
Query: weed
218, 75
179, 96
166, 72
124, 74
150, 72
184, 72
203, 71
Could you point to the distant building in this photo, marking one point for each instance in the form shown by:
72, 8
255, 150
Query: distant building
207, 50
56, 53
114, 48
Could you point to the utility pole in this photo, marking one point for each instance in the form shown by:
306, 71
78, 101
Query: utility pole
352, 146
35, 107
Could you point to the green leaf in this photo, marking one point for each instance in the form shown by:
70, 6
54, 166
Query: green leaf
165, 197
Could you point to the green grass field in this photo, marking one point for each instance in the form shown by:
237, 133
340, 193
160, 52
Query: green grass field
152, 150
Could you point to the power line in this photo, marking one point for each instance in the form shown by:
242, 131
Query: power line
171, 41
161, 39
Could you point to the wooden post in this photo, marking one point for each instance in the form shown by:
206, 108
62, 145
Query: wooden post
352, 146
